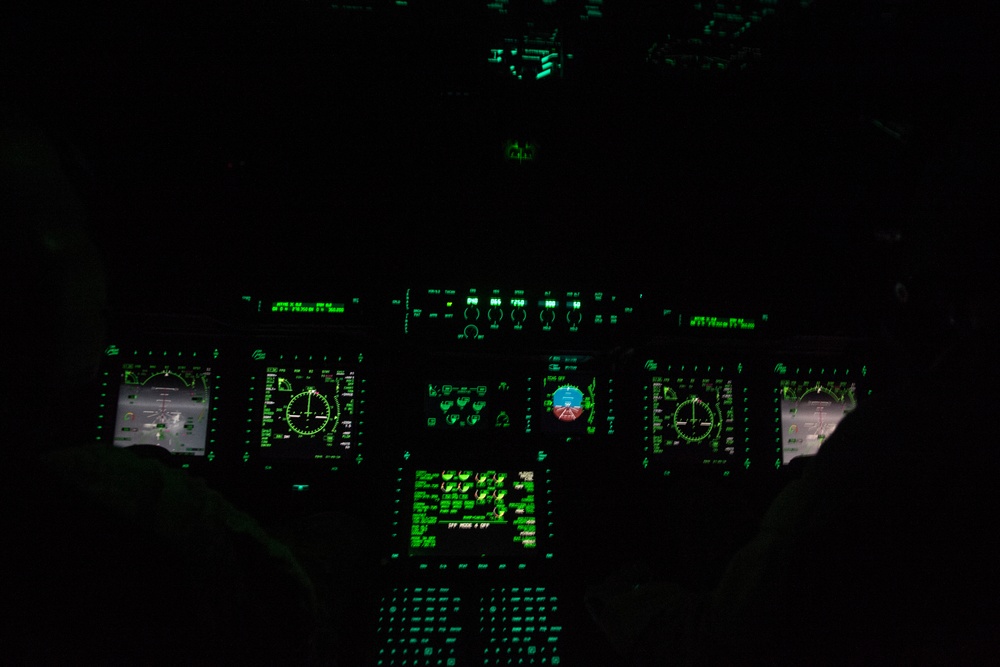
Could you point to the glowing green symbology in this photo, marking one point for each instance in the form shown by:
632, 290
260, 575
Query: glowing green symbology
695, 412
306, 307
309, 412
694, 420
457, 510
711, 322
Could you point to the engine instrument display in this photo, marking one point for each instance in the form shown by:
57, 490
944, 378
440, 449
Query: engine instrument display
482, 314
473, 406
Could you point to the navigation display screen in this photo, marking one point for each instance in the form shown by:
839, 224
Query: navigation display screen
310, 407
695, 418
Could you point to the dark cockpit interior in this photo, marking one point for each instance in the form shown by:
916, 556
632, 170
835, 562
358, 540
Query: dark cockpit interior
502, 310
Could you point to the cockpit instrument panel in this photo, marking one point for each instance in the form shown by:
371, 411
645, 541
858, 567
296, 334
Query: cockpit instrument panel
526, 315
562, 396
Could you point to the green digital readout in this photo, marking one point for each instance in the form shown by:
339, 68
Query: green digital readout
478, 314
731, 323
307, 307
474, 513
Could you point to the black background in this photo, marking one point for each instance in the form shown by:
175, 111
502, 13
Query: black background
232, 144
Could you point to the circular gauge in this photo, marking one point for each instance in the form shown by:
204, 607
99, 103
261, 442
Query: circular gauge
567, 403
694, 420
308, 413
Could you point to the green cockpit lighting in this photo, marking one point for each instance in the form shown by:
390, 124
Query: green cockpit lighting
307, 307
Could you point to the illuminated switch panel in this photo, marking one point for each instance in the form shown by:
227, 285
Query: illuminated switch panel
520, 627
490, 314
420, 627
437, 627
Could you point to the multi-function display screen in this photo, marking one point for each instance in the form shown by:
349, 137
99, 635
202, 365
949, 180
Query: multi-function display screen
695, 417
165, 403
477, 512
810, 411
310, 408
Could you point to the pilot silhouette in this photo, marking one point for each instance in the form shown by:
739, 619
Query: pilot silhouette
110, 558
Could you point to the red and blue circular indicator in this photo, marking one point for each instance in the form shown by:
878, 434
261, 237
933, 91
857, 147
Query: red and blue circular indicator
567, 403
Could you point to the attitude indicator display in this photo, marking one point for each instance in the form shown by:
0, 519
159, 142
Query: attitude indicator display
810, 412
573, 402
166, 405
